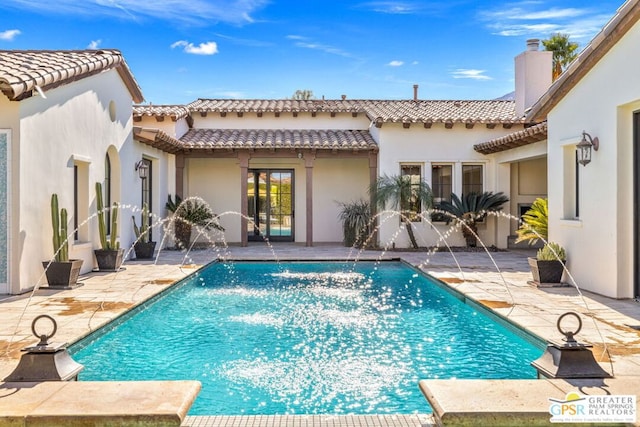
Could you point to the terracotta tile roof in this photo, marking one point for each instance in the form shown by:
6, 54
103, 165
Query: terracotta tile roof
380, 111
355, 140
175, 112
428, 111
275, 105
624, 19
517, 139
22, 70
158, 139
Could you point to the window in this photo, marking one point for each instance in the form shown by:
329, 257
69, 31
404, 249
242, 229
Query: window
441, 182
147, 194
76, 204
472, 179
107, 192
441, 187
411, 204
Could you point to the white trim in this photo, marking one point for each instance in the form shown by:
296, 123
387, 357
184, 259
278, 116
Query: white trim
78, 158
4, 287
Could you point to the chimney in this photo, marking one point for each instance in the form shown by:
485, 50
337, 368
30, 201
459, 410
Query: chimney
415, 92
533, 74
343, 97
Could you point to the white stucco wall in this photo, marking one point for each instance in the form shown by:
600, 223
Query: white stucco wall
217, 181
72, 125
418, 145
599, 243
336, 180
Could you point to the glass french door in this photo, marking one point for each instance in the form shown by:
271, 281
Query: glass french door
270, 204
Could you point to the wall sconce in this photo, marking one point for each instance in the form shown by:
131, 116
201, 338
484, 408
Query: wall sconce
142, 168
584, 148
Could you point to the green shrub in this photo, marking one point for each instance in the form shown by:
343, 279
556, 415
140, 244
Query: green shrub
551, 252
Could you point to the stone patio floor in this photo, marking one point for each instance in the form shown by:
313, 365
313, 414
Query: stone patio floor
498, 280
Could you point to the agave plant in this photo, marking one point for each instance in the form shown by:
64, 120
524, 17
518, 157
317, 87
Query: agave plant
470, 209
356, 220
535, 223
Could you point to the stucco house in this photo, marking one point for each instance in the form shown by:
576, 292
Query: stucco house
316, 153
283, 165
65, 124
594, 208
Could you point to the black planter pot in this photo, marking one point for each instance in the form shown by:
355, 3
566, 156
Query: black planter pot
109, 259
546, 271
62, 274
144, 250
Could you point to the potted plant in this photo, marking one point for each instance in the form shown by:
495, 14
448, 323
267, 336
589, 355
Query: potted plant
356, 221
470, 209
143, 246
548, 265
187, 214
61, 272
109, 258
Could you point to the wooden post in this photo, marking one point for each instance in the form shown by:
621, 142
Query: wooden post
309, 159
243, 158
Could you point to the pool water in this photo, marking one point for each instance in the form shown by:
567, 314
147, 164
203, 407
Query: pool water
307, 338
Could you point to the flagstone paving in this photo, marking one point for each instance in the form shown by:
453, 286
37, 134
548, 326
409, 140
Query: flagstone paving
498, 281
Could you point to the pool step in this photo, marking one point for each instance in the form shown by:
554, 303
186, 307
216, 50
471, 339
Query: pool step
514, 402
96, 403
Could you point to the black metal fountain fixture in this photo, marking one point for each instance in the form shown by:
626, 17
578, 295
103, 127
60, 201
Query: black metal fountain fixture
569, 359
45, 361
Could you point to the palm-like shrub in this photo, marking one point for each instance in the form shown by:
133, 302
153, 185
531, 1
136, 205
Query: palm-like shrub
398, 193
470, 209
535, 223
191, 213
356, 220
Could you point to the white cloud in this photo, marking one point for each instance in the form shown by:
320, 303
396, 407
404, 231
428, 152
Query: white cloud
206, 48
462, 73
532, 19
391, 7
94, 44
319, 46
9, 34
189, 11
395, 63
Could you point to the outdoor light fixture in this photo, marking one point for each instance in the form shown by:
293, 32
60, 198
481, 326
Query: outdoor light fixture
142, 169
568, 359
584, 148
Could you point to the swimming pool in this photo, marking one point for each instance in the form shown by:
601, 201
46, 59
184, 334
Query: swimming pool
307, 338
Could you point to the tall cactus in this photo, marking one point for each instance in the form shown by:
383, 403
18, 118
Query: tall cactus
112, 243
59, 224
142, 233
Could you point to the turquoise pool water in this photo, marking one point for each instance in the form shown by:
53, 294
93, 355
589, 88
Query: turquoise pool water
307, 338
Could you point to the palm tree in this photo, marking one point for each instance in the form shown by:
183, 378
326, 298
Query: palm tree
563, 50
401, 193
535, 223
470, 209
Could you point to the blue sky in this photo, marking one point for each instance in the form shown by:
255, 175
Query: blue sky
181, 50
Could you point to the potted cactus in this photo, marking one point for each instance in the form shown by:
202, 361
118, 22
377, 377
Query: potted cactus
61, 272
143, 246
109, 258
